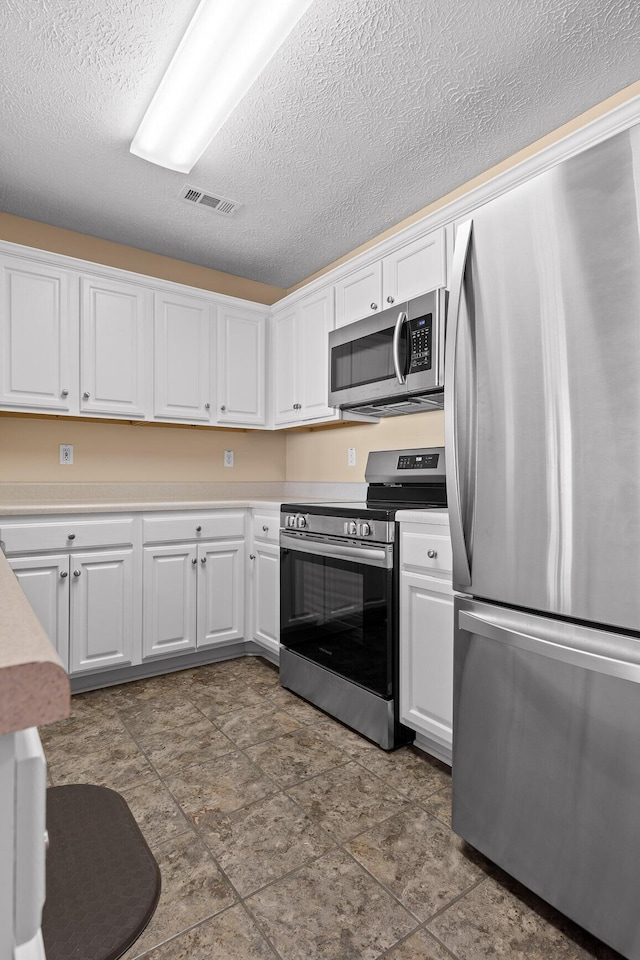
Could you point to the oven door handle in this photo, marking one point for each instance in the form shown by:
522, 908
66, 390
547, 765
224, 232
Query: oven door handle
368, 555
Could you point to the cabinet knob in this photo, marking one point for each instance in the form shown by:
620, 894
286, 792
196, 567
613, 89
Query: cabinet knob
432, 554
76, 573
207, 406
71, 536
86, 395
64, 393
390, 300
64, 574
374, 306
223, 408
203, 559
252, 556
265, 528
194, 561
198, 529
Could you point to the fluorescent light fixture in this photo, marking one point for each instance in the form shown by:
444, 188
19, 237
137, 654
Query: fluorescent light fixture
226, 47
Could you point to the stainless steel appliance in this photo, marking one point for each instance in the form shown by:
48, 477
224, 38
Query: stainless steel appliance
339, 593
543, 456
392, 362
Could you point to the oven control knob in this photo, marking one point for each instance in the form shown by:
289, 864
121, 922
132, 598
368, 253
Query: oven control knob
351, 528
365, 529
301, 523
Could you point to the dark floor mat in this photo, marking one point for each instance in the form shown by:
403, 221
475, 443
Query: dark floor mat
103, 882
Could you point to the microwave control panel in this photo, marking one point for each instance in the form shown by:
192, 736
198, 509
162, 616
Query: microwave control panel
420, 335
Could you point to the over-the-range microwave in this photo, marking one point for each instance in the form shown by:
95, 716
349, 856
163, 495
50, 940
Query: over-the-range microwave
392, 362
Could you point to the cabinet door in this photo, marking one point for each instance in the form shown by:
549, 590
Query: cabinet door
359, 294
39, 337
220, 593
416, 268
45, 581
183, 345
241, 367
265, 588
113, 347
102, 610
284, 362
426, 658
169, 579
315, 320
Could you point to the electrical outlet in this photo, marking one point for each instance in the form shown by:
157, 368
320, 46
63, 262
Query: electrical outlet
66, 453
351, 457
228, 458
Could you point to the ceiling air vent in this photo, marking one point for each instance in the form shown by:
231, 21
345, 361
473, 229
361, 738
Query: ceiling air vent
221, 205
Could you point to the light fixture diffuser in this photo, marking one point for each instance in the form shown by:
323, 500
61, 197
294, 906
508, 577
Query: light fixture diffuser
225, 48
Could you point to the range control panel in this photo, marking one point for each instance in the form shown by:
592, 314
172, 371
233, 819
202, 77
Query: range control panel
418, 461
420, 333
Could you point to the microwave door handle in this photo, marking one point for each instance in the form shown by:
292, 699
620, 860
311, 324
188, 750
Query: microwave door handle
396, 346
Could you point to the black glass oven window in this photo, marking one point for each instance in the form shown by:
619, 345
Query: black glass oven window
366, 360
336, 613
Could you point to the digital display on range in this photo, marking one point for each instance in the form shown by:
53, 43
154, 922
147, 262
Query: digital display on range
419, 461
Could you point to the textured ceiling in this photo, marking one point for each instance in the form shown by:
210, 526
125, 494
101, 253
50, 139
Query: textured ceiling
371, 110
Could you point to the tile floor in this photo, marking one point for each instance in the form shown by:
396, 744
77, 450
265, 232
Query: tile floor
282, 835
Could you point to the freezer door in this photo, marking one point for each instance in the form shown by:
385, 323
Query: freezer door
543, 418
546, 761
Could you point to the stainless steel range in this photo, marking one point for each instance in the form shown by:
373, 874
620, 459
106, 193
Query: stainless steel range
339, 593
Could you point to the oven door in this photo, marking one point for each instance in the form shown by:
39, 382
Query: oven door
336, 608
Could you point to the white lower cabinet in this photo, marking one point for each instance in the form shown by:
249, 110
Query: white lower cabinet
193, 597
264, 580
426, 636
86, 605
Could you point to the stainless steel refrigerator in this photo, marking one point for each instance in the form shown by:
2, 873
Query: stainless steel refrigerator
542, 411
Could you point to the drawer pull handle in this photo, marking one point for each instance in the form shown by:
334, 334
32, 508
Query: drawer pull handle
86, 395
64, 574
374, 306
64, 393
252, 556
194, 561
198, 529
203, 559
71, 536
76, 573
432, 554
207, 406
390, 300
265, 528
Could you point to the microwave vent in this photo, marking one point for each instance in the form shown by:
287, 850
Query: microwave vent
219, 204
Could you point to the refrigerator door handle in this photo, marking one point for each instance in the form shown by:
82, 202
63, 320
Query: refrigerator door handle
461, 565
598, 658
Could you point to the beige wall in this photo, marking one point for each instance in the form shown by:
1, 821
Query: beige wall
322, 455
43, 236
105, 452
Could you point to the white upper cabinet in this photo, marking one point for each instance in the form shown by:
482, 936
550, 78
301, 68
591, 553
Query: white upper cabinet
359, 294
300, 359
38, 329
410, 270
114, 345
283, 365
183, 355
241, 362
416, 268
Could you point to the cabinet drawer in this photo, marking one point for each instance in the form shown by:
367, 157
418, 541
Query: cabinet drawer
70, 534
266, 527
426, 552
196, 526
